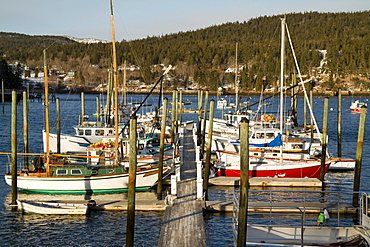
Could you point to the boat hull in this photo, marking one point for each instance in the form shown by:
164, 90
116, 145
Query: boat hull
51, 208
114, 183
312, 236
285, 170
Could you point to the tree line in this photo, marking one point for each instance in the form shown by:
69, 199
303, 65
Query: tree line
200, 57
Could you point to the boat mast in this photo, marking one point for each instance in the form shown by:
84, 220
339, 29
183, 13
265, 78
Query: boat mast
282, 57
116, 116
46, 88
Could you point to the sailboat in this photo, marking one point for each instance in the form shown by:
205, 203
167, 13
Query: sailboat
274, 163
103, 172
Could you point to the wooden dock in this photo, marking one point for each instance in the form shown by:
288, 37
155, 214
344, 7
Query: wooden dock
183, 222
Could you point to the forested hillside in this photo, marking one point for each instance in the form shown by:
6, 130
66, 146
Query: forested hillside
201, 57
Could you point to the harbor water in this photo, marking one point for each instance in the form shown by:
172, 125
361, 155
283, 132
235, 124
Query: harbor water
108, 228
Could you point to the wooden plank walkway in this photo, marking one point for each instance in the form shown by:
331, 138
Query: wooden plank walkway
183, 223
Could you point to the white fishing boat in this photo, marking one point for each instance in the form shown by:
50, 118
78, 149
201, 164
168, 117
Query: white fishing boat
356, 106
39, 207
222, 103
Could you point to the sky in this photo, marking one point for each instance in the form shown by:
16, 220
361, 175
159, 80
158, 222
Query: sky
137, 19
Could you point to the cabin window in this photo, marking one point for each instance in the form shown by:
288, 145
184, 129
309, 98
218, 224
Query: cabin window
298, 146
61, 172
275, 155
140, 146
94, 172
270, 135
80, 132
76, 172
110, 132
88, 132
110, 171
99, 132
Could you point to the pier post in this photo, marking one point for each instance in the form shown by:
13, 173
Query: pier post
57, 104
82, 108
173, 112
199, 180
25, 128
244, 182
323, 141
176, 112
339, 121
311, 117
97, 106
181, 106
203, 136
130, 230
161, 150
2, 94
199, 127
360, 142
173, 185
208, 149
14, 151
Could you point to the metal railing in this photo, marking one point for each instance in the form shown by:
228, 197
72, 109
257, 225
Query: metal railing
295, 208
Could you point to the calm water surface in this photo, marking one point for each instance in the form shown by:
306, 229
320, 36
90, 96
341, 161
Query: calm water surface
109, 228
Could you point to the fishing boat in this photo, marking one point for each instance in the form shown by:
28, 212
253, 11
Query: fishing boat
46, 207
222, 103
356, 106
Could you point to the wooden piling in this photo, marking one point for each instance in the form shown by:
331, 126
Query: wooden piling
176, 111
161, 150
339, 122
57, 105
97, 110
14, 151
203, 136
131, 184
82, 108
311, 117
323, 140
173, 112
199, 128
208, 152
181, 106
244, 182
360, 142
2, 93
25, 128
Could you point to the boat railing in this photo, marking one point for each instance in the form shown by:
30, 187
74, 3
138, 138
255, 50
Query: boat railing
365, 210
338, 203
296, 208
